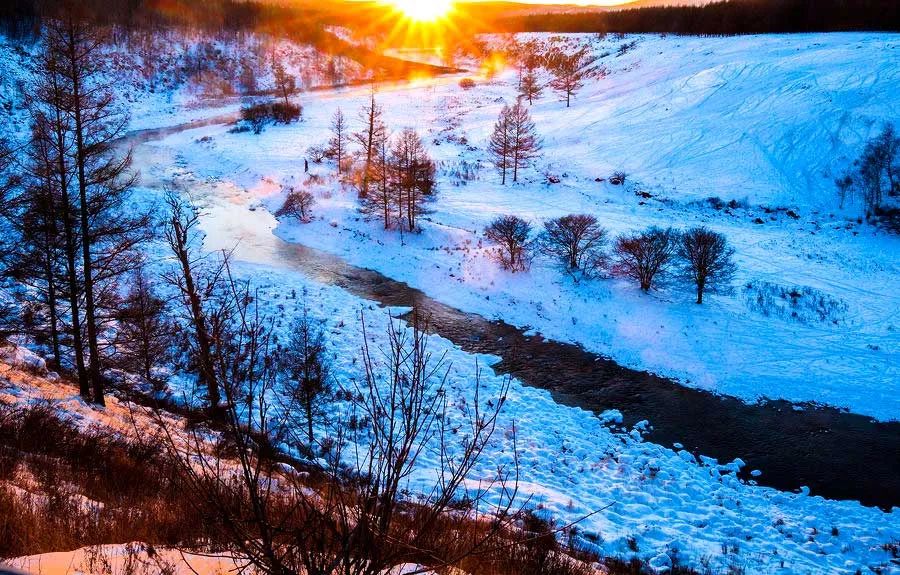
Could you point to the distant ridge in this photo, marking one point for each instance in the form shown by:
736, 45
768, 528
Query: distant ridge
721, 18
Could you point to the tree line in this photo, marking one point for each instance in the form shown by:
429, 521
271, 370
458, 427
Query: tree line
21, 19
393, 173
724, 18
580, 244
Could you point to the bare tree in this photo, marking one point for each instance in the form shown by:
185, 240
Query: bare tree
530, 88
511, 233
7, 179
645, 256
79, 106
285, 84
879, 172
514, 142
578, 241
411, 177
369, 139
707, 259
196, 284
145, 334
50, 161
304, 366
32, 250
298, 204
570, 71
340, 136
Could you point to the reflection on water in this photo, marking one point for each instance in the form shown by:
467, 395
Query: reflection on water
838, 455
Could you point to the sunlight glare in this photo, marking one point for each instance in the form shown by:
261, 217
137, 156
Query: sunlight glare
423, 10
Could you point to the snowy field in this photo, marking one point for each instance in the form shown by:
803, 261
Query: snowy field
664, 502
766, 121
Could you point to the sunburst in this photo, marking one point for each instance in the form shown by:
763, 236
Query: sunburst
423, 10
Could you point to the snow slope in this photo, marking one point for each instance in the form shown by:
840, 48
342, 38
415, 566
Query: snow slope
766, 121
664, 503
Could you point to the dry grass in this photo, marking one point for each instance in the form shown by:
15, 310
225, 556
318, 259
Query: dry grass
62, 487
67, 484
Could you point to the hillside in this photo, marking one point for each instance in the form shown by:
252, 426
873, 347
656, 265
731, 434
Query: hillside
763, 123
744, 135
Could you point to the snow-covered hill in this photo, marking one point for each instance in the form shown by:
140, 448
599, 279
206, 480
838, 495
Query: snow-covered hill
765, 121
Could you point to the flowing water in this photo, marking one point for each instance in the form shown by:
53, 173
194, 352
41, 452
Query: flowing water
836, 454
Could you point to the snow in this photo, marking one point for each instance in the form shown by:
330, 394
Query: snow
766, 121
131, 557
740, 118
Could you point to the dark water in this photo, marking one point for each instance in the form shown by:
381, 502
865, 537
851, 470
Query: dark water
836, 454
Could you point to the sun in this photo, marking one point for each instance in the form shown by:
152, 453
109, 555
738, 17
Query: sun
423, 10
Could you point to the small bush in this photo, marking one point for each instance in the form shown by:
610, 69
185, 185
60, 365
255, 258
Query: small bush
802, 304
317, 153
618, 178
298, 204
467, 83
258, 116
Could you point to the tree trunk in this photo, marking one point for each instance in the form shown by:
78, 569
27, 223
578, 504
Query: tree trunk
51, 298
204, 342
87, 271
84, 387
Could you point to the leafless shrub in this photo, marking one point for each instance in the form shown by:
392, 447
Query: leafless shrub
317, 153
86, 487
802, 304
351, 512
706, 259
298, 204
578, 241
511, 233
618, 178
645, 256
